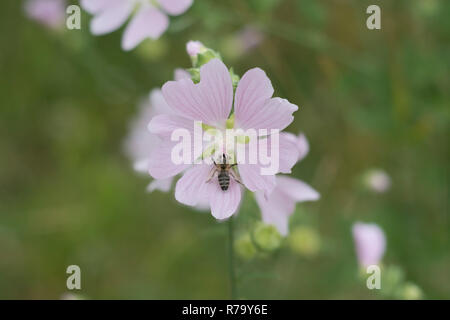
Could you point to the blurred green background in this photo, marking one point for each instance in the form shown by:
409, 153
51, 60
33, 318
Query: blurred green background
368, 99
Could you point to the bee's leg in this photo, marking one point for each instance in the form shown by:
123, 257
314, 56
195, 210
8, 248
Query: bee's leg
235, 177
211, 174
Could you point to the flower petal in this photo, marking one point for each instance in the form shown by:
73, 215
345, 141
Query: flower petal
140, 143
209, 101
253, 180
370, 243
276, 209
287, 151
164, 124
158, 103
276, 113
175, 7
141, 165
224, 203
303, 146
192, 188
112, 17
161, 165
94, 6
160, 184
252, 92
296, 189
181, 74
149, 22
50, 13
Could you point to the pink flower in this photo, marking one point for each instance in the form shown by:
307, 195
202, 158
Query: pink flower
378, 181
211, 101
150, 21
280, 204
140, 142
249, 38
193, 48
370, 243
50, 13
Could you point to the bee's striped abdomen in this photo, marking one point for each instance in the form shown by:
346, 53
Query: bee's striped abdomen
224, 180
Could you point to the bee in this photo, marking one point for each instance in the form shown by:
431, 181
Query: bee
224, 172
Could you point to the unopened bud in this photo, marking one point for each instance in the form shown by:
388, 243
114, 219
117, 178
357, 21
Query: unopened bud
244, 247
305, 241
267, 237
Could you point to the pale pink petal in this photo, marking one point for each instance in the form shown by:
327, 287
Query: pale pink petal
203, 204
253, 91
254, 109
297, 190
192, 188
286, 154
276, 113
149, 22
161, 165
50, 13
209, 101
112, 17
193, 48
279, 205
160, 184
139, 143
370, 243
303, 146
249, 38
158, 103
141, 165
165, 124
181, 74
223, 203
175, 7
276, 209
95, 6
251, 177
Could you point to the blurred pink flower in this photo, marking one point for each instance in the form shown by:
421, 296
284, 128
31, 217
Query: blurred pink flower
150, 20
211, 101
140, 142
370, 243
277, 207
249, 38
194, 47
378, 181
50, 13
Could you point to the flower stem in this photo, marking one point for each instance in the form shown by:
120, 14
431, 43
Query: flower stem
231, 259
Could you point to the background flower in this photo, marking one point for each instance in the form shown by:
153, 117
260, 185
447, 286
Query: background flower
149, 21
370, 243
378, 180
278, 206
50, 13
140, 143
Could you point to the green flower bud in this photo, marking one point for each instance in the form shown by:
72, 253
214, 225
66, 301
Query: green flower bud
244, 247
305, 241
195, 74
234, 78
204, 57
411, 291
266, 237
391, 279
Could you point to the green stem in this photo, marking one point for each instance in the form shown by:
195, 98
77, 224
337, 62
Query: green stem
231, 259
